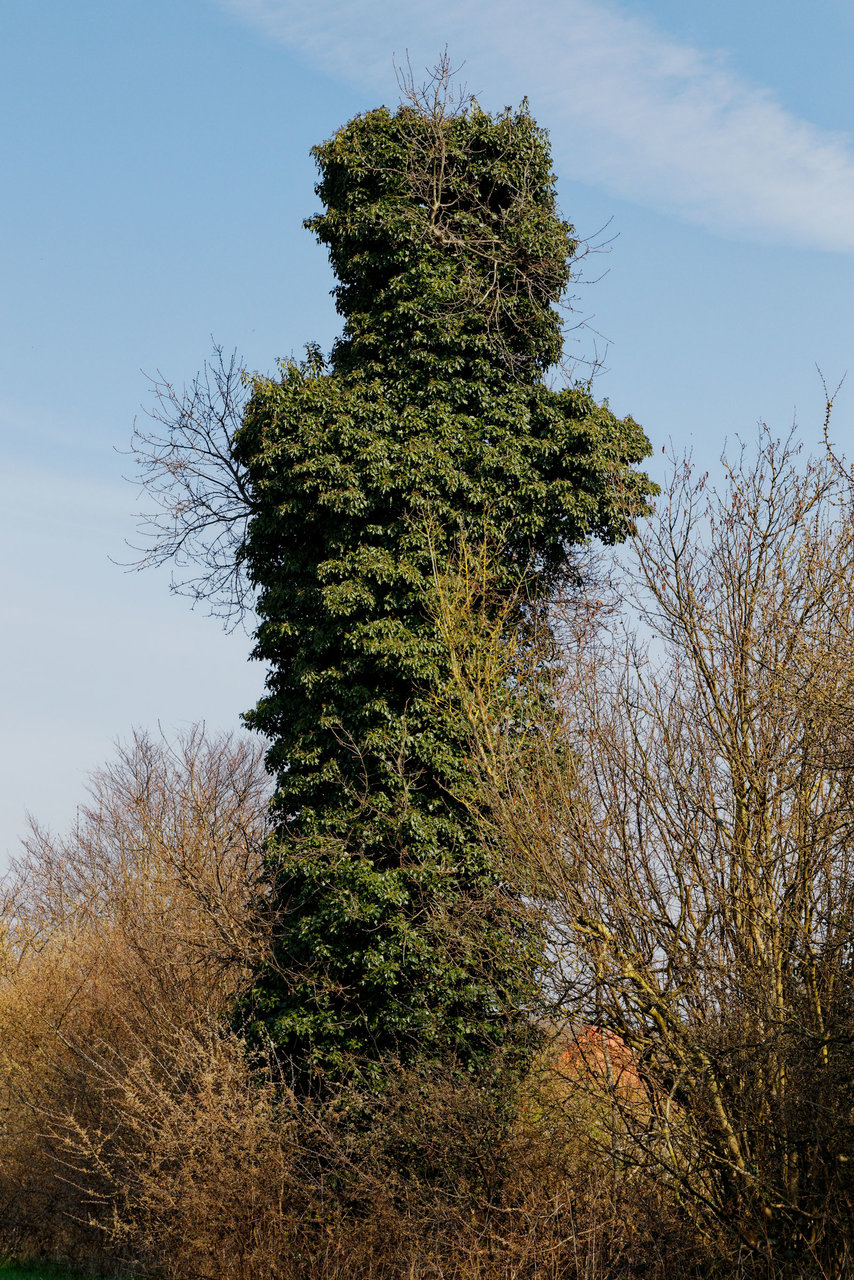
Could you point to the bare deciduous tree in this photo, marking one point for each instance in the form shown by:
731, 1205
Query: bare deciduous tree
687, 821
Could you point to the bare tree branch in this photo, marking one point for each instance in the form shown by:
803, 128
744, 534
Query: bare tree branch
200, 502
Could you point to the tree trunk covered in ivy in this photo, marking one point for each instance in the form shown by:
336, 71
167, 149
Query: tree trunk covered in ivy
430, 424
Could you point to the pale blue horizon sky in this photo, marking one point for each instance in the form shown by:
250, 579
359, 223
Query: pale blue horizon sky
156, 172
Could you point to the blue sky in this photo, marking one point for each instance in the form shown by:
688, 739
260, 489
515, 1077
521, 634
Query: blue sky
155, 175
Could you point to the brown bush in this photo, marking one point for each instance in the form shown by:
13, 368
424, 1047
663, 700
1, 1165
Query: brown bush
219, 1171
116, 939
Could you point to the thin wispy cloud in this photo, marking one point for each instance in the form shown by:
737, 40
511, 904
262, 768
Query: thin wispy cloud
648, 118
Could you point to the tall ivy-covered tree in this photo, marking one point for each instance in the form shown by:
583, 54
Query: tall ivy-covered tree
432, 422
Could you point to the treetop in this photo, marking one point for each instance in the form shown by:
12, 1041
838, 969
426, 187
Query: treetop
442, 228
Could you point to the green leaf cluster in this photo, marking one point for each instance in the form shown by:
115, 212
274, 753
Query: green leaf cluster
430, 425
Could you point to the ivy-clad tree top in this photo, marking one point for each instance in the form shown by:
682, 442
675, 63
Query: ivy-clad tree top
430, 424
444, 235
443, 232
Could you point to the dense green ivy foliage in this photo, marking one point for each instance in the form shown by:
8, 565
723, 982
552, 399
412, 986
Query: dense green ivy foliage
431, 422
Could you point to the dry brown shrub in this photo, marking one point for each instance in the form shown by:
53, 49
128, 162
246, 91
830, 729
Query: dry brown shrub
220, 1171
115, 939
